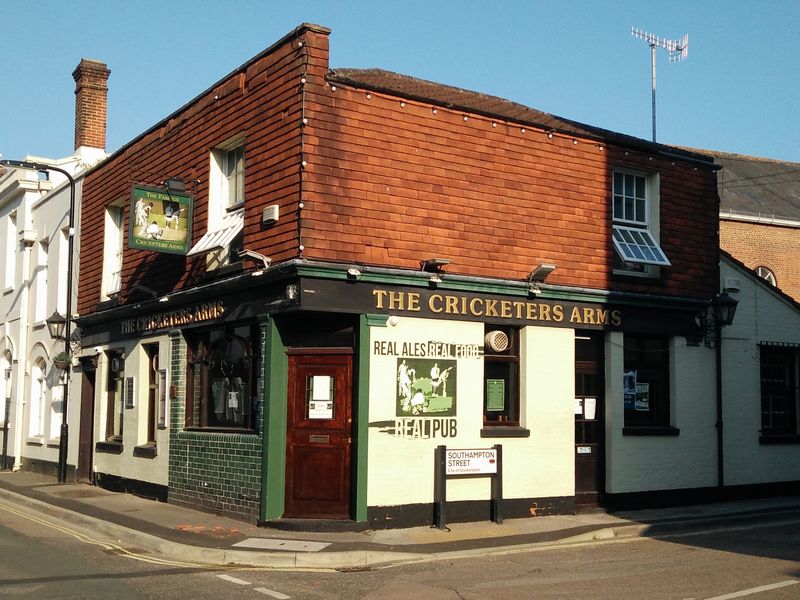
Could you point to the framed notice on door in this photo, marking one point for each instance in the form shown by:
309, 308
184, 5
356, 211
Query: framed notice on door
320, 397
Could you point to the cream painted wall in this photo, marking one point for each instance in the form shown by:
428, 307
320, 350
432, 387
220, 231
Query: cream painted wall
134, 429
761, 315
401, 468
646, 463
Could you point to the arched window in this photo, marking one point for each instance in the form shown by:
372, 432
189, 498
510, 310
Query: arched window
5, 384
767, 274
37, 399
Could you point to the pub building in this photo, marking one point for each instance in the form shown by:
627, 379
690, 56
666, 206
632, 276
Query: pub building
301, 283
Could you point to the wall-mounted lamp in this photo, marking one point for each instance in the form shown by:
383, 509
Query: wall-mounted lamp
434, 280
291, 291
56, 323
723, 310
434, 265
256, 257
353, 274
541, 272
143, 288
175, 184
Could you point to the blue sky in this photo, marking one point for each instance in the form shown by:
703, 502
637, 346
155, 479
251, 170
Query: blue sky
739, 90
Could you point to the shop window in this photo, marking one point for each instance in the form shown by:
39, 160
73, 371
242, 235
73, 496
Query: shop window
635, 227
779, 391
224, 238
222, 378
646, 381
501, 377
115, 400
153, 389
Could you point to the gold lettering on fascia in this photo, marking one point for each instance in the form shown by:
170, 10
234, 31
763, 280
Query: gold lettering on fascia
173, 318
487, 308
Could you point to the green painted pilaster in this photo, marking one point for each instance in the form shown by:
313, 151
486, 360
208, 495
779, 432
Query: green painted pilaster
362, 416
273, 473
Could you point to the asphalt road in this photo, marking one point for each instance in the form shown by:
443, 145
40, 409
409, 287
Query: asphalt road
759, 561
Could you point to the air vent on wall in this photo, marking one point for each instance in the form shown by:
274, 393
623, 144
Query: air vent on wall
497, 341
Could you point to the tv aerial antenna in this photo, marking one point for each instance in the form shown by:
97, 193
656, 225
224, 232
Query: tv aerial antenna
677, 50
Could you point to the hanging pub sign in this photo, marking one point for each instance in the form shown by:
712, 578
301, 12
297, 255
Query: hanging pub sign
160, 221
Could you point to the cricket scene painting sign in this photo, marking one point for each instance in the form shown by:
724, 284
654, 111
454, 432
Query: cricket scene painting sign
160, 221
426, 387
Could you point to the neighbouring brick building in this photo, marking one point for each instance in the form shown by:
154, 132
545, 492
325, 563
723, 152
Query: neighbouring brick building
760, 216
301, 283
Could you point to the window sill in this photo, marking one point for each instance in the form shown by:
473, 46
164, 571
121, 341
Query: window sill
146, 451
221, 430
35, 441
499, 431
619, 275
8, 290
108, 447
651, 430
775, 439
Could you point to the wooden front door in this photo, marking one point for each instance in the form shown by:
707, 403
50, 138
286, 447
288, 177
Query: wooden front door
589, 422
86, 433
318, 440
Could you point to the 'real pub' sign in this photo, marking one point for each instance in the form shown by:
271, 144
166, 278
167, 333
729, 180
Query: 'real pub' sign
160, 221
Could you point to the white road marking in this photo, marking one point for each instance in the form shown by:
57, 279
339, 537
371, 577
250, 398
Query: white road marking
235, 580
272, 593
756, 590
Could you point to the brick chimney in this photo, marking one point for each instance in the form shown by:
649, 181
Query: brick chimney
90, 103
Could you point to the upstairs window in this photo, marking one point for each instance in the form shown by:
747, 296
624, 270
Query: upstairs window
635, 224
112, 257
767, 275
224, 238
10, 250
40, 282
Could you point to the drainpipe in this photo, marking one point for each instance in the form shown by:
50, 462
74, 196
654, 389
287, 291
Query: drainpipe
718, 424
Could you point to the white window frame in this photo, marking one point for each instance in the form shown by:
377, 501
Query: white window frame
38, 398
10, 251
5, 383
114, 244
650, 222
40, 281
225, 204
767, 275
63, 269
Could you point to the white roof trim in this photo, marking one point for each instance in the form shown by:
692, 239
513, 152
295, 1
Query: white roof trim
638, 246
232, 223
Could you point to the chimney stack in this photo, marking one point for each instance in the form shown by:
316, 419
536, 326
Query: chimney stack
90, 103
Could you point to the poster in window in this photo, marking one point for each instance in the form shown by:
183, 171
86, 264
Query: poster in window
629, 389
320, 397
642, 397
426, 386
495, 395
129, 397
219, 393
160, 221
162, 399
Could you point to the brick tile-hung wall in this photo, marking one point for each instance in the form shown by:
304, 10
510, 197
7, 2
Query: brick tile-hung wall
297, 374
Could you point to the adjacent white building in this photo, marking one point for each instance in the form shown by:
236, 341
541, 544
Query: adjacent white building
34, 259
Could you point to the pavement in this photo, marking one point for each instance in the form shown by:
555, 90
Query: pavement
138, 526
